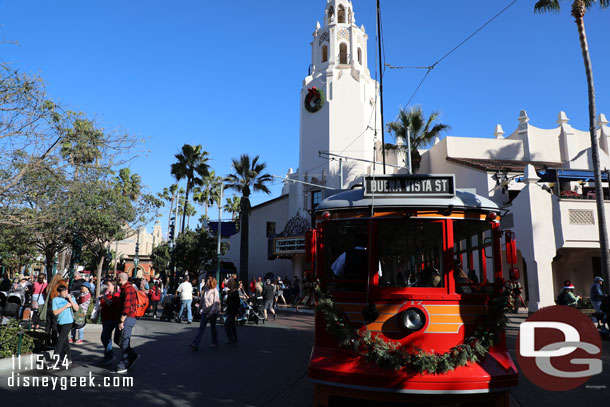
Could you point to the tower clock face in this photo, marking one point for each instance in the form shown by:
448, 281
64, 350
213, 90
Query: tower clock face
314, 100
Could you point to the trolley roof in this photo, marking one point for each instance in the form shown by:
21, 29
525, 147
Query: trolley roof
355, 199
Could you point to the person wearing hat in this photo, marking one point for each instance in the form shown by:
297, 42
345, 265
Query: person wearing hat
597, 296
567, 297
83, 301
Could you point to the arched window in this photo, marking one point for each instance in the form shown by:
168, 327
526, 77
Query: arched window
331, 13
343, 53
350, 16
324, 53
341, 14
360, 56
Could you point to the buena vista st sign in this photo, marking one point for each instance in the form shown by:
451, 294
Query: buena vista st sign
423, 185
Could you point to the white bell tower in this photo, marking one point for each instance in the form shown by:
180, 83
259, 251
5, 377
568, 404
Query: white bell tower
338, 102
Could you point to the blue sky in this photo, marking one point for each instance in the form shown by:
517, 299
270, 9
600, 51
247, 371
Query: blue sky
227, 75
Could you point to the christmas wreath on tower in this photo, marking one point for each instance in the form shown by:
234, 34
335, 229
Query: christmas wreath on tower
314, 100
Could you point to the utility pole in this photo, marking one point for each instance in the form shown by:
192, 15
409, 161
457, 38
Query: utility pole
380, 82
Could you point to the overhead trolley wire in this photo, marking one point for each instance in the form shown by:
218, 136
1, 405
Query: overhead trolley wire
431, 67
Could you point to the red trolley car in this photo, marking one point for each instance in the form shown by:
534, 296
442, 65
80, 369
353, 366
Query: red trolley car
427, 259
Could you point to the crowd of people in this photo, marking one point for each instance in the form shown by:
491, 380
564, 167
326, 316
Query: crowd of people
60, 306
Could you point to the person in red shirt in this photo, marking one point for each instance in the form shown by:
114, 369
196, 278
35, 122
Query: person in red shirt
110, 313
252, 286
127, 301
155, 297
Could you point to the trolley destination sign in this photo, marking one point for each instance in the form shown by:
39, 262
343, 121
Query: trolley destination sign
410, 186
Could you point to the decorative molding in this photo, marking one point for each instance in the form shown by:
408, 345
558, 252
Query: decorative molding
296, 226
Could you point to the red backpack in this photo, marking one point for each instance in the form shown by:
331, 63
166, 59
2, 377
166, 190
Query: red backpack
141, 303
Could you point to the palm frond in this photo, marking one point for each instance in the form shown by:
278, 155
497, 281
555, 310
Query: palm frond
544, 6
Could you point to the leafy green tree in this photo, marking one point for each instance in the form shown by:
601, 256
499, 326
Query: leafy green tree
195, 252
160, 257
192, 166
247, 177
422, 132
579, 8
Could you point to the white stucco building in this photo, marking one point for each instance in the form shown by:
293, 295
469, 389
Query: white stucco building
528, 173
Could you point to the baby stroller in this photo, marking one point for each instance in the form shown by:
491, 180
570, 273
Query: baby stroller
252, 310
171, 305
14, 302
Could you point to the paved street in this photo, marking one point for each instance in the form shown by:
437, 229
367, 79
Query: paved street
266, 368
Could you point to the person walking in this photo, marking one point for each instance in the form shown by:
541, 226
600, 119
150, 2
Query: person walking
597, 296
280, 291
268, 297
259, 287
63, 307
210, 307
127, 301
110, 313
155, 297
231, 312
83, 301
51, 320
185, 290
38, 298
295, 293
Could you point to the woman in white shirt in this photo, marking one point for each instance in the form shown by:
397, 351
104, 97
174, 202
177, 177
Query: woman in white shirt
210, 307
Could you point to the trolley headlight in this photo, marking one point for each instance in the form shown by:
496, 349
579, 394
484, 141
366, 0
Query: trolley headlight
413, 319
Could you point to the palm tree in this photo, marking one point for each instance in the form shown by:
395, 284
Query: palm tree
232, 206
422, 131
82, 144
209, 193
169, 195
579, 7
192, 165
129, 184
247, 177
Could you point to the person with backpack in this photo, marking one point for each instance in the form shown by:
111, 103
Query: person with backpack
127, 321
155, 297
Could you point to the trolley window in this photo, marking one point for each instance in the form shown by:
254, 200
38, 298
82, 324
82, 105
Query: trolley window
410, 254
346, 254
474, 256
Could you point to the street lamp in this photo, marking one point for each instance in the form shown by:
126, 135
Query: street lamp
136, 259
219, 235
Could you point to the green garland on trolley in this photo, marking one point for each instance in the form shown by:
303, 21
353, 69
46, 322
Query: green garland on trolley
390, 355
